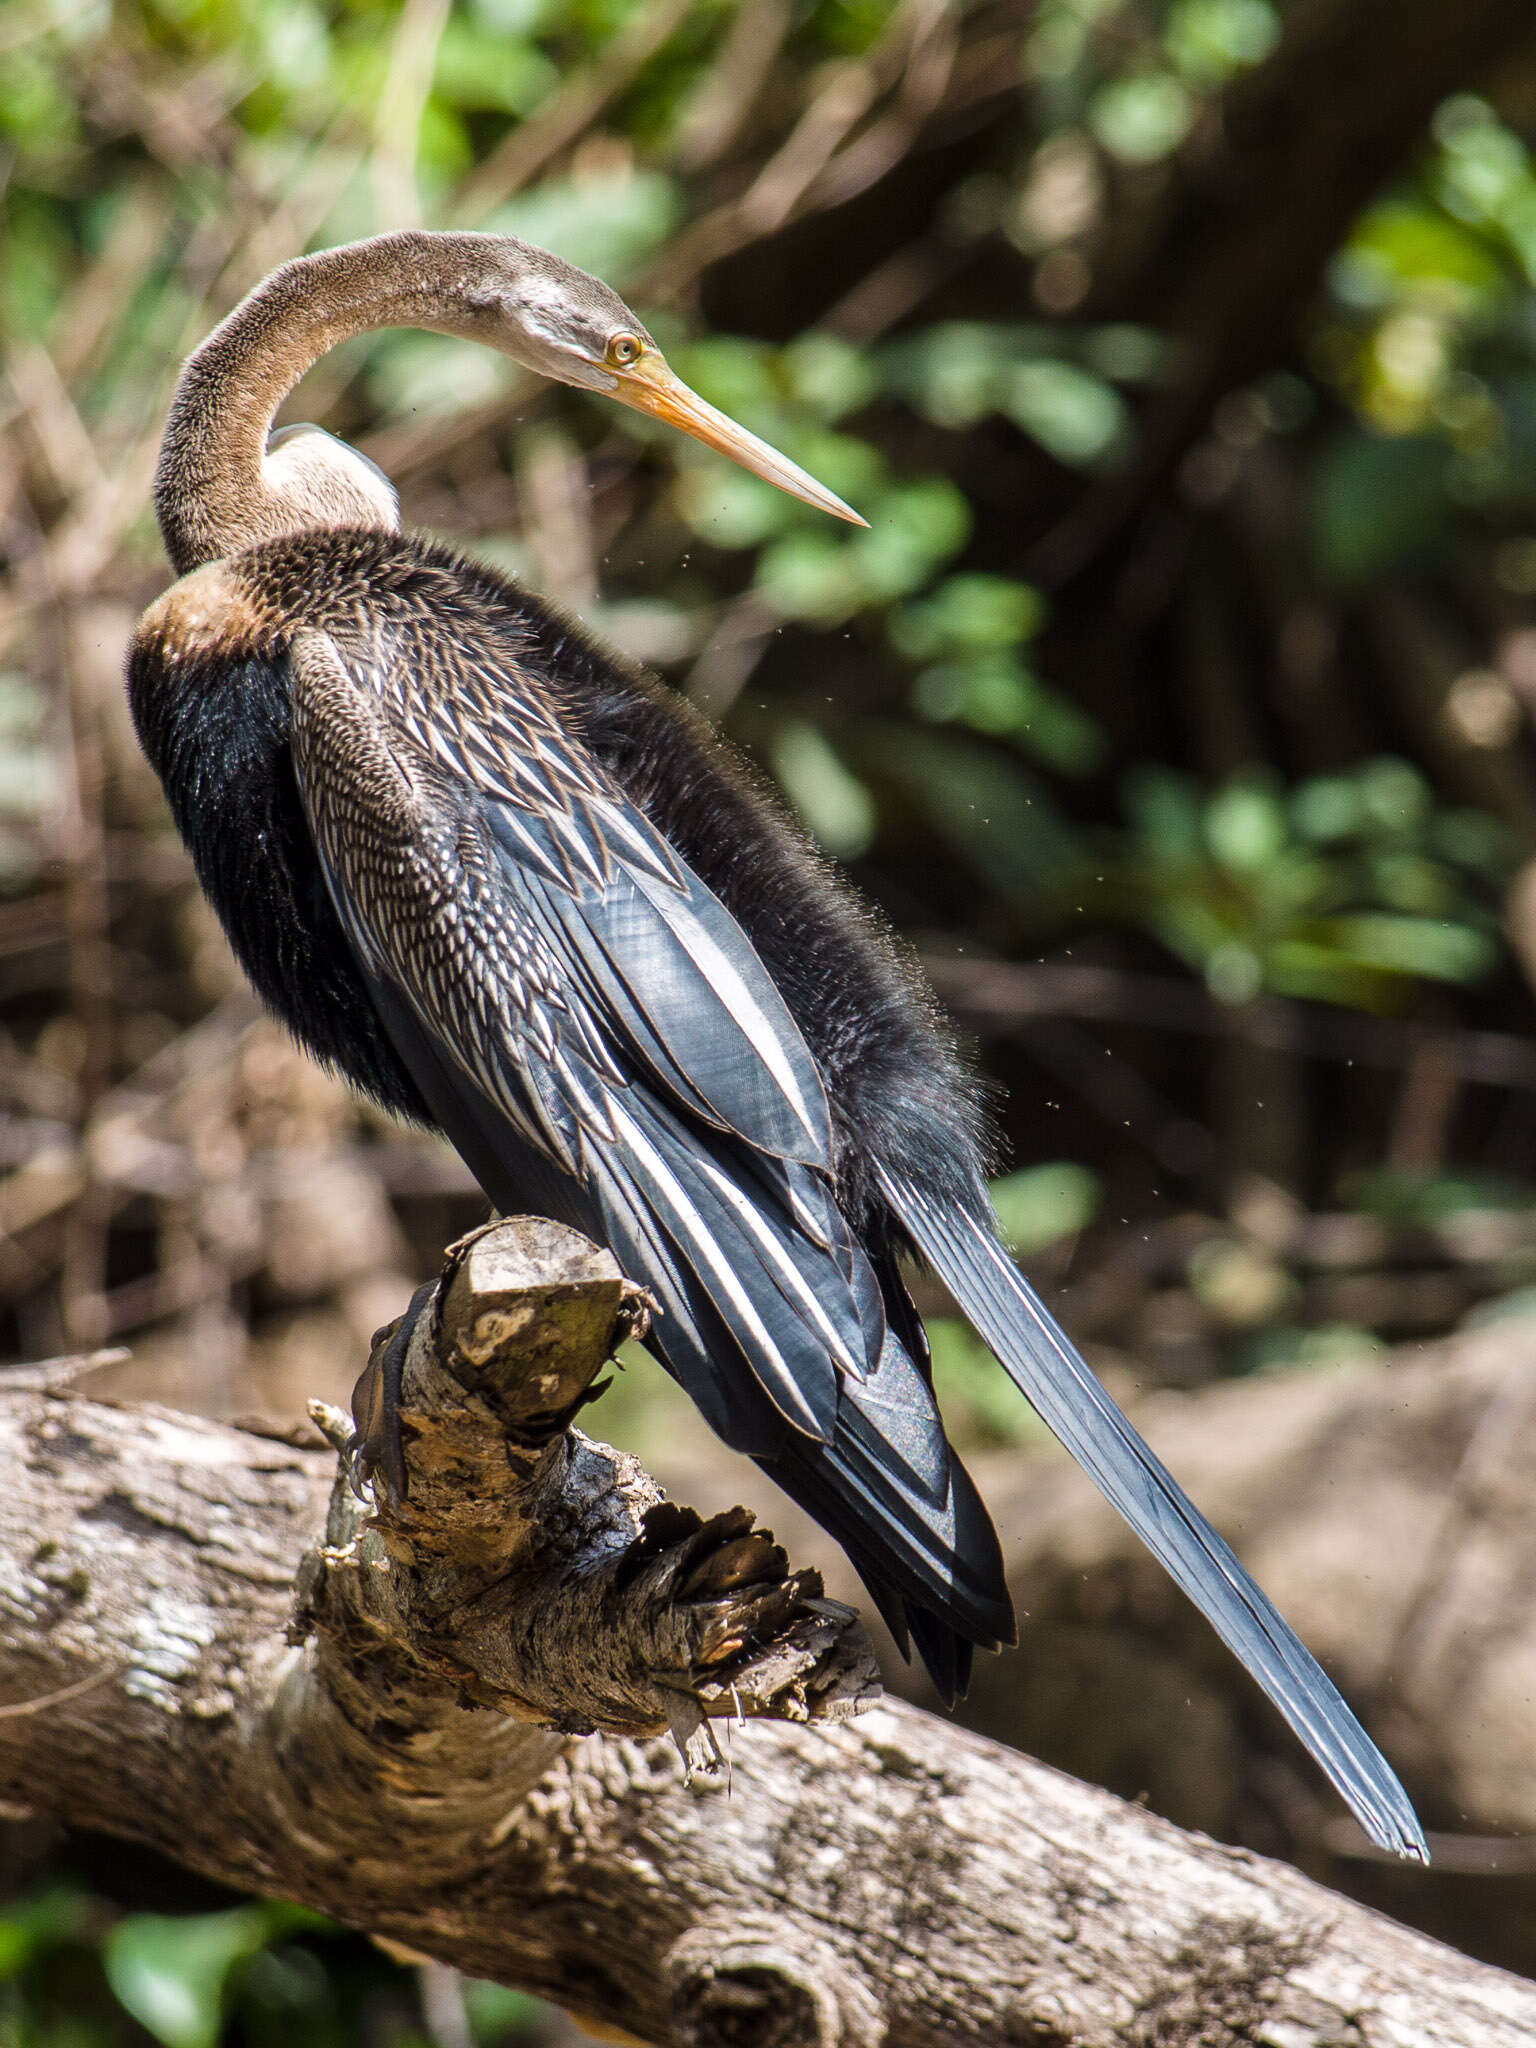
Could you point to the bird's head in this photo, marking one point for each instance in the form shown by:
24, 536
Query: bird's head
556, 320
225, 481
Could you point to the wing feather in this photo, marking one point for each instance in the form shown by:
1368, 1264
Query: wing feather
644, 1049
598, 1037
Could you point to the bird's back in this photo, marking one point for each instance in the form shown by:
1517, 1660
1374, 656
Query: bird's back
498, 690
896, 1089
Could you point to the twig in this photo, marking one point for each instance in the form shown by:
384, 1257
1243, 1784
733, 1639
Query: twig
580, 99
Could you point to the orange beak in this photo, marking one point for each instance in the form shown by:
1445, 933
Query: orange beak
650, 387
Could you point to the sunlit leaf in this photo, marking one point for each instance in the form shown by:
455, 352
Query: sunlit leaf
1207, 40
1074, 415
810, 576
604, 224
729, 508
967, 613
490, 68
1141, 119
837, 809
1245, 826
828, 375
1394, 794
736, 374
1437, 949
1039, 1205
171, 1972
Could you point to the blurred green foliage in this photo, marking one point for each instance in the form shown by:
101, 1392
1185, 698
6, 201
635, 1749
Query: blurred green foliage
1426, 336
76, 1971
1347, 889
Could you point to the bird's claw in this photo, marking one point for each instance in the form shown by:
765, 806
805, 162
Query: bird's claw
377, 1449
361, 1465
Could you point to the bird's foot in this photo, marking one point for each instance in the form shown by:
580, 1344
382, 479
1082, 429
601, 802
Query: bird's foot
748, 1633
377, 1449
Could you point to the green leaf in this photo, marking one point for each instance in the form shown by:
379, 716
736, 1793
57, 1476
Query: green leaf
1394, 795
171, 1973
1435, 948
828, 375
497, 2013
1074, 415
1141, 119
1402, 243
1165, 810
1234, 973
965, 614
836, 807
913, 528
730, 509
735, 373
1327, 808
1207, 40
602, 224
1040, 1205
951, 372
1376, 500
512, 17
488, 69
1245, 826
47, 1920
993, 692
412, 373
809, 576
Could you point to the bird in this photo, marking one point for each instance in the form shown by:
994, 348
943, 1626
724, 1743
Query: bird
515, 889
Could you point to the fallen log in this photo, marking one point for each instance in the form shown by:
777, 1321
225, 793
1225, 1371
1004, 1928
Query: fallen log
378, 1725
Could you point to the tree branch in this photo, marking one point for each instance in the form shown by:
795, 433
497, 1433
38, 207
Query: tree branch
890, 1879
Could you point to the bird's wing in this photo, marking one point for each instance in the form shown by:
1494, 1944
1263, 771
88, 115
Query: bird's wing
581, 990
964, 1251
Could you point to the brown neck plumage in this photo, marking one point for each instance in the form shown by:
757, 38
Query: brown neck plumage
214, 491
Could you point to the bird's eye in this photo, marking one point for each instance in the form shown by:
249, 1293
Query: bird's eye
625, 349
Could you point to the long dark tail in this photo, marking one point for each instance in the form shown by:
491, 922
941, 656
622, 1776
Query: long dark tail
964, 1251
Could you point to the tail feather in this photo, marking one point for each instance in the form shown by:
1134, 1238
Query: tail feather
877, 1471
945, 1652
965, 1253
939, 1557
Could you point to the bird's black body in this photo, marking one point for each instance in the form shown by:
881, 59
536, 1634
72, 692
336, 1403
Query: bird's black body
219, 732
454, 846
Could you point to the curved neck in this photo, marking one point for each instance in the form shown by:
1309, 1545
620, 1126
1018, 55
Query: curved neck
213, 493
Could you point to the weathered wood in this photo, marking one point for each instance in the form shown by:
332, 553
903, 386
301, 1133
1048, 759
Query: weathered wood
885, 1879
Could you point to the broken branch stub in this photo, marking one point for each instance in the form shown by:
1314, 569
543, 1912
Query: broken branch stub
535, 1572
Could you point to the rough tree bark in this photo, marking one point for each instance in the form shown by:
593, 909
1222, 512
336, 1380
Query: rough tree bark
391, 1749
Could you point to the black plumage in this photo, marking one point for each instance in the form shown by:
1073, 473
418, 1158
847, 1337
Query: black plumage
513, 888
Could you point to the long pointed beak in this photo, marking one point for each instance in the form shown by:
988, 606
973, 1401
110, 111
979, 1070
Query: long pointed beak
651, 387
